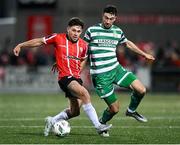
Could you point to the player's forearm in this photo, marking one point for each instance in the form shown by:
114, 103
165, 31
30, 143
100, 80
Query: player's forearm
83, 64
134, 48
32, 43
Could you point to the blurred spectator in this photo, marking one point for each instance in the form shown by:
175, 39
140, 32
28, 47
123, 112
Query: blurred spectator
121, 56
4, 58
167, 55
146, 46
175, 54
41, 57
2, 75
4, 53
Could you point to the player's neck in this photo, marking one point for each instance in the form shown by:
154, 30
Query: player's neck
103, 26
70, 39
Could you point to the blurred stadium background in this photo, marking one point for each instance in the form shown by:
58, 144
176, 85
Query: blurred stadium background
154, 25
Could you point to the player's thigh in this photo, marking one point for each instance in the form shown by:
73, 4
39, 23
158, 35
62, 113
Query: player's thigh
103, 84
137, 86
104, 88
77, 90
124, 78
105, 91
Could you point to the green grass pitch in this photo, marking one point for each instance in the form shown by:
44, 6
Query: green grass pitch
22, 120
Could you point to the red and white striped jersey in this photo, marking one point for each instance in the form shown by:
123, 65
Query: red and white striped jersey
68, 54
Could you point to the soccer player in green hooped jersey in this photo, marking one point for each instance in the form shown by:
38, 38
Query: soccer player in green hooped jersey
103, 39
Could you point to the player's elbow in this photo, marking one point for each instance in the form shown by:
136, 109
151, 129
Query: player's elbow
38, 42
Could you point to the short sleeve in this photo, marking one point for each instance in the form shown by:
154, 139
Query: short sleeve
87, 36
50, 39
123, 39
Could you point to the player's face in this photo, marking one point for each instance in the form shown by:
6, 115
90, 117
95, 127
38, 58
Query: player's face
74, 32
108, 20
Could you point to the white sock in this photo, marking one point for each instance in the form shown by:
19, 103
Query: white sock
91, 113
60, 116
131, 111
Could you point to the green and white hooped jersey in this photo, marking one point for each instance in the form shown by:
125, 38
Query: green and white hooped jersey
102, 47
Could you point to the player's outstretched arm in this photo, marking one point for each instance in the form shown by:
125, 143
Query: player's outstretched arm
134, 48
31, 43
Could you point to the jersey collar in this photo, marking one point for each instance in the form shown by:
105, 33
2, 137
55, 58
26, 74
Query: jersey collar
70, 39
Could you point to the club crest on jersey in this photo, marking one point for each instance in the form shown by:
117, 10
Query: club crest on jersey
81, 49
115, 34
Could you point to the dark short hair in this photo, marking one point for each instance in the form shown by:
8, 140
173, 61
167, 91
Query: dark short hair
75, 21
110, 9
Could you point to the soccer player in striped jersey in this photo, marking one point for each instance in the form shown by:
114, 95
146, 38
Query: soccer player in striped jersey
70, 52
103, 39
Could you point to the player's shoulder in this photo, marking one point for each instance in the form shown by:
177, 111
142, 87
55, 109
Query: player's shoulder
114, 27
60, 36
82, 42
96, 26
51, 35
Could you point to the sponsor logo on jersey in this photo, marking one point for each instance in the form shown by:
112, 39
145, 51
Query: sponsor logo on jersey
107, 41
73, 57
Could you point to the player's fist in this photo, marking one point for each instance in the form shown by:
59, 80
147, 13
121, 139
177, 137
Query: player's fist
149, 57
16, 50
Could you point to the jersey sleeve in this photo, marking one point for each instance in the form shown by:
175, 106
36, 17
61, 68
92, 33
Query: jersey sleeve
50, 39
87, 36
122, 39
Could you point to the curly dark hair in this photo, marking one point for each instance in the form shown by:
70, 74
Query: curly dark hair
110, 9
75, 21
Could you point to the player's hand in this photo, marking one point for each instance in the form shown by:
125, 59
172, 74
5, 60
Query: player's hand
54, 68
149, 57
16, 50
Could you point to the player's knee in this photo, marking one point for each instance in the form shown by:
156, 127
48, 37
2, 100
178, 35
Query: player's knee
114, 109
142, 91
85, 97
83, 92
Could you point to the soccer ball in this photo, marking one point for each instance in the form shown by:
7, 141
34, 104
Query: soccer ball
61, 128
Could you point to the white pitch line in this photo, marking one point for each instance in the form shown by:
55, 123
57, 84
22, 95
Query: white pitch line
122, 127
85, 118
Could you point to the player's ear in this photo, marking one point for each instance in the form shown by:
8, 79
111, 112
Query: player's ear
115, 18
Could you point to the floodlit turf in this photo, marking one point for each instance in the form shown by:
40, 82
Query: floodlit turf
22, 120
